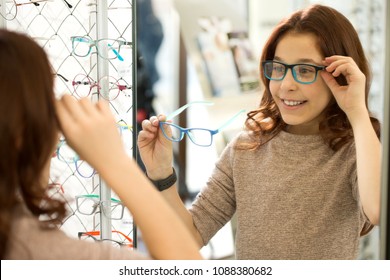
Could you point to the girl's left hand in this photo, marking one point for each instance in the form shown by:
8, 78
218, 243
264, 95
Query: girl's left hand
350, 97
90, 129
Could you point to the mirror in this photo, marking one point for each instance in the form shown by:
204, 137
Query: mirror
368, 17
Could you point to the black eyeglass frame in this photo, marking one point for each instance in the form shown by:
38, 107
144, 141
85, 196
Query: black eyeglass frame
291, 66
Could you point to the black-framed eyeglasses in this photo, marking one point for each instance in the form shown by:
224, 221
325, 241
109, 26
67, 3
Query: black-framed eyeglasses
303, 73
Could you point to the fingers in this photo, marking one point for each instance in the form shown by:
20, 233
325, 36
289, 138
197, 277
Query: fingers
349, 95
103, 107
81, 114
153, 123
330, 81
151, 132
341, 65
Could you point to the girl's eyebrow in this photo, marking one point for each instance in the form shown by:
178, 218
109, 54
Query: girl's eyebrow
301, 60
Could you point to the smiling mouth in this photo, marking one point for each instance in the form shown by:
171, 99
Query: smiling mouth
292, 102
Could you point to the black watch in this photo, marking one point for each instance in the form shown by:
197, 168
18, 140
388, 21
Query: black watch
166, 183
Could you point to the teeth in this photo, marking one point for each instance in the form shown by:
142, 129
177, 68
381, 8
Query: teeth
292, 103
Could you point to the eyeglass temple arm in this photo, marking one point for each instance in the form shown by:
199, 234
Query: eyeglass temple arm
97, 196
124, 126
69, 5
62, 77
182, 108
124, 235
230, 120
116, 53
96, 233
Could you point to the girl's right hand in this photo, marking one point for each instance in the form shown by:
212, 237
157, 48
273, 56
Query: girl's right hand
155, 150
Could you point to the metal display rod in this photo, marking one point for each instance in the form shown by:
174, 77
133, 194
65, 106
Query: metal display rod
102, 66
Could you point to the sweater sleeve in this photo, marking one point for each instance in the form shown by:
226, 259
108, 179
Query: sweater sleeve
216, 202
366, 225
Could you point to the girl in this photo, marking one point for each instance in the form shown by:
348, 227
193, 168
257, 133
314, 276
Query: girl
29, 128
303, 178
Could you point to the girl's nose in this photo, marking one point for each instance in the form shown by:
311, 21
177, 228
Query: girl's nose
288, 81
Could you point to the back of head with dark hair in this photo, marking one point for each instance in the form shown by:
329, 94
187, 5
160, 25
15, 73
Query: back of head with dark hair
28, 129
336, 36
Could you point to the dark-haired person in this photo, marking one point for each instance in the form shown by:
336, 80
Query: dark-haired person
30, 122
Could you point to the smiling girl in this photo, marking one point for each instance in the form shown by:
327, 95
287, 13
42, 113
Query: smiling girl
303, 178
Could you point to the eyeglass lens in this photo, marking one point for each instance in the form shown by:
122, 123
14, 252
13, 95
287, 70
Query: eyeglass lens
199, 136
88, 206
106, 48
84, 169
91, 238
8, 9
66, 153
108, 86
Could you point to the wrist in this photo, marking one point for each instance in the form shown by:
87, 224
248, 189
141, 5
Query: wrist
358, 118
159, 173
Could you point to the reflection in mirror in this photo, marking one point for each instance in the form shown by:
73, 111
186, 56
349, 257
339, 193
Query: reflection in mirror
367, 16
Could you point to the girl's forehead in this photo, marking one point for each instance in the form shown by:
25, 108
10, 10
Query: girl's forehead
298, 47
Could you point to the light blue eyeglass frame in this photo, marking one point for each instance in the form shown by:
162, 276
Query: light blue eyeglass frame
75, 159
191, 131
112, 45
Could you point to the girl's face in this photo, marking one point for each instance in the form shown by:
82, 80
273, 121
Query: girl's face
301, 105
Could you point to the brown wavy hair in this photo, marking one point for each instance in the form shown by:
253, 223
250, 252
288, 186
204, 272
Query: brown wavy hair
28, 129
335, 36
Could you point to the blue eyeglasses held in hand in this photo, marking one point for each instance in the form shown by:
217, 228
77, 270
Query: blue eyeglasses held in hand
199, 136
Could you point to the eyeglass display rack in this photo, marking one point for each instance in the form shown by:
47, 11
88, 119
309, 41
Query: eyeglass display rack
52, 23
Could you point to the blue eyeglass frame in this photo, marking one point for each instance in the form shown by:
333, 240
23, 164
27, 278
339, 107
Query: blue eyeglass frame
184, 131
75, 160
291, 67
94, 43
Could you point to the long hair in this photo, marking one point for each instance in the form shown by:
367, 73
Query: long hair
28, 131
335, 36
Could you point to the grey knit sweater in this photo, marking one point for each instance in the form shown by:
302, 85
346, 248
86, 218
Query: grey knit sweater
294, 198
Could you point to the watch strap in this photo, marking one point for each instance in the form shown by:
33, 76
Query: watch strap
166, 183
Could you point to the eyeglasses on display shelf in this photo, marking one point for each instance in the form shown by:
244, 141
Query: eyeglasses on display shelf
199, 136
106, 48
123, 126
89, 204
303, 73
9, 8
123, 239
68, 155
108, 85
